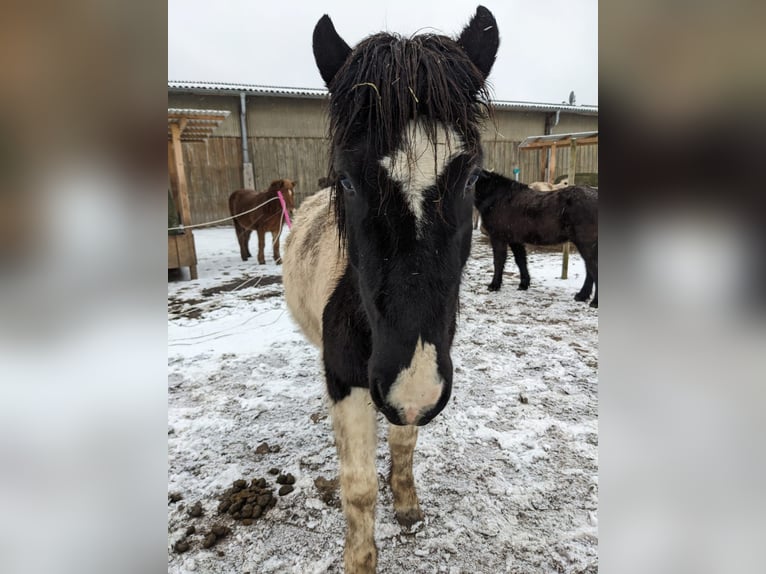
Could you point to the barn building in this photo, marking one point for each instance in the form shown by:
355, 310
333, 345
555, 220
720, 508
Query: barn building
286, 132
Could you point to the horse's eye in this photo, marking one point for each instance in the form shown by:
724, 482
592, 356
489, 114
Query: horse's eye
471, 181
347, 185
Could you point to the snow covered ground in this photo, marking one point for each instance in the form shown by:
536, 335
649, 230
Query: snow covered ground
507, 474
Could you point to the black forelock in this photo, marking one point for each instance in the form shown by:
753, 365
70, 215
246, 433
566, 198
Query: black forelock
389, 81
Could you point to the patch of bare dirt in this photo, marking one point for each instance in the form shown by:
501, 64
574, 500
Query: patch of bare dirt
237, 284
184, 308
195, 308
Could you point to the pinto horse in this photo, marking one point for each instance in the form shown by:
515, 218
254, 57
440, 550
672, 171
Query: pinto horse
373, 264
268, 217
515, 214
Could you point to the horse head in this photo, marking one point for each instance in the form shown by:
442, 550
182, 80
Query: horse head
405, 154
287, 187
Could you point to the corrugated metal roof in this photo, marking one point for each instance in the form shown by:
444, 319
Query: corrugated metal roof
196, 112
543, 107
227, 88
224, 88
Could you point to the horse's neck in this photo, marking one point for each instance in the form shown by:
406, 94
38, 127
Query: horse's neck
487, 201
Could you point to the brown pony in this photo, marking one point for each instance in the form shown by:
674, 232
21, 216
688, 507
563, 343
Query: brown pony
268, 217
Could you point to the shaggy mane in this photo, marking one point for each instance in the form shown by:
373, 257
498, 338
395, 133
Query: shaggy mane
387, 81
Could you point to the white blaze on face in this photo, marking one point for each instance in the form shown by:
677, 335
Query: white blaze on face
419, 165
419, 386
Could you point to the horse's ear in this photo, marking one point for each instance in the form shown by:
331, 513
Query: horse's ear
479, 39
330, 50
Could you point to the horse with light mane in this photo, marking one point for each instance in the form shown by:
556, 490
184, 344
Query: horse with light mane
373, 264
267, 217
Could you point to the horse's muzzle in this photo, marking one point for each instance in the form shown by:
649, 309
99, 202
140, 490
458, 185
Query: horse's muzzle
414, 411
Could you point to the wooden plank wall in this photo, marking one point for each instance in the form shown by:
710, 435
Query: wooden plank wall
501, 156
213, 171
304, 160
213, 167
587, 160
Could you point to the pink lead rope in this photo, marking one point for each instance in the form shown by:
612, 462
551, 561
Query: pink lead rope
284, 209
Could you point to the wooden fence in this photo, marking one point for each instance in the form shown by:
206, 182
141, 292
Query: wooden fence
503, 156
214, 167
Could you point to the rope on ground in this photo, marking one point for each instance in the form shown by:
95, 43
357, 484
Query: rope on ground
246, 281
223, 333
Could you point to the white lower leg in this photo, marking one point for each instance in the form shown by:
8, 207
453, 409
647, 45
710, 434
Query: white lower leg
355, 437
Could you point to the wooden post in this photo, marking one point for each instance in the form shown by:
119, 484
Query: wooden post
572, 161
172, 173
572, 171
552, 168
183, 191
183, 195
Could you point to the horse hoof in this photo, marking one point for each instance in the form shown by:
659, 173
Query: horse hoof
278, 261
594, 304
262, 262
409, 518
523, 287
493, 287
579, 297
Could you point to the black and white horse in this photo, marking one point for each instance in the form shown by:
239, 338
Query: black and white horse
372, 266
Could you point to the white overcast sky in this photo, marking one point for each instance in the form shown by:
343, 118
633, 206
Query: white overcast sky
547, 47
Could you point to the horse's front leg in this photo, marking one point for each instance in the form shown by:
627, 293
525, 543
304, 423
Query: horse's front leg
275, 243
594, 273
520, 256
261, 245
401, 442
589, 253
240, 231
353, 419
587, 288
248, 233
499, 255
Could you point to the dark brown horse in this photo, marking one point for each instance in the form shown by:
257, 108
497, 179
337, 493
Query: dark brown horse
268, 217
515, 214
